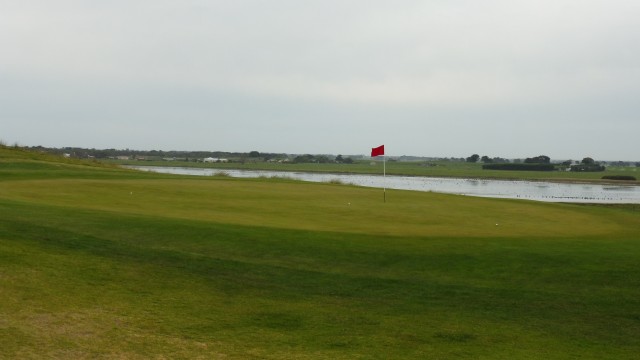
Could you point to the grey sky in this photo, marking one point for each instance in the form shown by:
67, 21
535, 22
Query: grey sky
433, 78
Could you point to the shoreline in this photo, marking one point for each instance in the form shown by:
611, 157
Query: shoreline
470, 177
520, 189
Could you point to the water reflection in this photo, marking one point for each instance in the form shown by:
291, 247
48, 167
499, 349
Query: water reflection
530, 190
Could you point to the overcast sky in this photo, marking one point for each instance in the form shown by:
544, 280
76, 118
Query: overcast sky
427, 77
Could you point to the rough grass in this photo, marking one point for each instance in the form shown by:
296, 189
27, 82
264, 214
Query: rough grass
114, 264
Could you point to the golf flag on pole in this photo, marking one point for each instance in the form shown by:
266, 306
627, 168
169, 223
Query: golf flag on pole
377, 151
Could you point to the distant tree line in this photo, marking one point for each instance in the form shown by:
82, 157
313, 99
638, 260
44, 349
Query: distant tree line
624, 163
520, 166
541, 159
588, 165
543, 163
240, 157
343, 160
485, 159
619, 177
159, 154
321, 159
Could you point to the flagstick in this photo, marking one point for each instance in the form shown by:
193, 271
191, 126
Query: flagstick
379, 151
384, 176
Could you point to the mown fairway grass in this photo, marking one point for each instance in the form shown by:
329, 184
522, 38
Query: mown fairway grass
101, 262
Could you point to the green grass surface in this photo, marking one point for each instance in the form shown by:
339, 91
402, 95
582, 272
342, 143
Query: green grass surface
98, 262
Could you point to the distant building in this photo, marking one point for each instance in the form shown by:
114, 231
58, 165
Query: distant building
215, 160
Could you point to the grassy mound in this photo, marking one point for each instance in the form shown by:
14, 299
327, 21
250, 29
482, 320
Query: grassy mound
102, 262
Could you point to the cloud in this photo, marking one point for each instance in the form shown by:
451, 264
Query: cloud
303, 62
407, 52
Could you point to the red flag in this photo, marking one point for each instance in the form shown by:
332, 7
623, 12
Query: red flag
377, 151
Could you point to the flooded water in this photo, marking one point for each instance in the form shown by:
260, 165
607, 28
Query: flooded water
529, 190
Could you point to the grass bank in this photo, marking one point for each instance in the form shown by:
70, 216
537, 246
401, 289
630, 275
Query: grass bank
100, 262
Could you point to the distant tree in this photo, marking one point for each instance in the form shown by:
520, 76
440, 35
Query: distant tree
588, 161
542, 159
311, 159
499, 160
485, 159
520, 166
339, 159
305, 159
588, 164
585, 167
254, 154
621, 163
567, 163
473, 158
